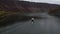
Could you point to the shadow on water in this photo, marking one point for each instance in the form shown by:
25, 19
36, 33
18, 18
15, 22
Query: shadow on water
12, 20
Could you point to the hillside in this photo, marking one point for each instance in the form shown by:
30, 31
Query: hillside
25, 6
40, 6
16, 10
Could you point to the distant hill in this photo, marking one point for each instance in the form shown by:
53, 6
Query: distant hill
25, 6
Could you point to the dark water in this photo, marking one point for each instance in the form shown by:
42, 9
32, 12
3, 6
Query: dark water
46, 25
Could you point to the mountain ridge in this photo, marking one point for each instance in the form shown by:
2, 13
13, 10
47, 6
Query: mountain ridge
25, 5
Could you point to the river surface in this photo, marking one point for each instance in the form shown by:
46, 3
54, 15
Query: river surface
46, 25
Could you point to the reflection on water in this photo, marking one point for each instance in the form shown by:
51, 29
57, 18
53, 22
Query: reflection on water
46, 25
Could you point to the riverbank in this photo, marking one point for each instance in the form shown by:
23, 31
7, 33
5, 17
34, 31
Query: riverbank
10, 17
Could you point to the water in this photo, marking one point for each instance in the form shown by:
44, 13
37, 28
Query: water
46, 25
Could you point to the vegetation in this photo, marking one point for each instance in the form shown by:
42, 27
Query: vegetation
3, 15
11, 17
6, 17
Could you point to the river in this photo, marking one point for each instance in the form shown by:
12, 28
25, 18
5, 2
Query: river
46, 25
